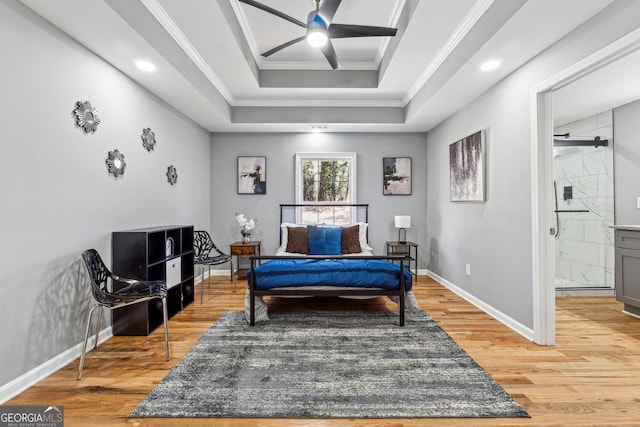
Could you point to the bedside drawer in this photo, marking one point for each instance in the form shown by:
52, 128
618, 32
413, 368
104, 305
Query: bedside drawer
243, 250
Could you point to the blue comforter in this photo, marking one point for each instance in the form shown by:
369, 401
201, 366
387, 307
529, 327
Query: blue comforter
373, 273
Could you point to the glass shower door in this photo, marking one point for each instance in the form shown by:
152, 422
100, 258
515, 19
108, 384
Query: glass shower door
583, 184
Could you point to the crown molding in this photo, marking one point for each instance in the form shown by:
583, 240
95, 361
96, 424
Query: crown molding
472, 18
315, 65
172, 29
319, 103
244, 26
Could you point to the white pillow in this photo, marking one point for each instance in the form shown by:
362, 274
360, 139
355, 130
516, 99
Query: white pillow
364, 245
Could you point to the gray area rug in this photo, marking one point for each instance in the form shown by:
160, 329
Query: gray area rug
328, 365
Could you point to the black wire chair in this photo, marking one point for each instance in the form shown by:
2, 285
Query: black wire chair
134, 292
202, 247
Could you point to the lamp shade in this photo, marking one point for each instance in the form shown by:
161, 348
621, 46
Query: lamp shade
403, 221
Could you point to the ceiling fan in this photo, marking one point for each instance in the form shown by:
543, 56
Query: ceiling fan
321, 29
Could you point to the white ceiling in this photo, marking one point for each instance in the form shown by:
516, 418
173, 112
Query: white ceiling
209, 66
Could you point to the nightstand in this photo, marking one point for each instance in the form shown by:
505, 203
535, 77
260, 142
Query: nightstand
409, 250
243, 250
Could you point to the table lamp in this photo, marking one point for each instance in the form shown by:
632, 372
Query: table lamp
402, 223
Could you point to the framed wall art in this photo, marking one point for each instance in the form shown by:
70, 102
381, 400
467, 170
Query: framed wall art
252, 175
396, 176
466, 169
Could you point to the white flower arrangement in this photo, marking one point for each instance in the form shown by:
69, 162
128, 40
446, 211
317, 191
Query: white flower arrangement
246, 225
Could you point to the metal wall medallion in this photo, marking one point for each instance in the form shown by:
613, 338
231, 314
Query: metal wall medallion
86, 117
115, 163
172, 175
148, 139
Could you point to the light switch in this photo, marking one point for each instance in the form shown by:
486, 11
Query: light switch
638, 203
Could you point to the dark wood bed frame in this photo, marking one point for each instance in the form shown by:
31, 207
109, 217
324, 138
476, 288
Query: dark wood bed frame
309, 291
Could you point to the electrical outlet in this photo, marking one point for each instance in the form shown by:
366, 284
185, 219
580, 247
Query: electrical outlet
468, 269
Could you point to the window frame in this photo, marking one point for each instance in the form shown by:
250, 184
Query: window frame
335, 156
350, 157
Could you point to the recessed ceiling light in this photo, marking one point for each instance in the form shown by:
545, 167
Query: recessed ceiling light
491, 64
145, 66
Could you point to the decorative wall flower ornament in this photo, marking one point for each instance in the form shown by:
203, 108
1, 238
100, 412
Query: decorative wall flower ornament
148, 139
86, 117
172, 175
115, 163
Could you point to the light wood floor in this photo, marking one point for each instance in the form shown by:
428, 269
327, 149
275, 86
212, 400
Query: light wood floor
591, 377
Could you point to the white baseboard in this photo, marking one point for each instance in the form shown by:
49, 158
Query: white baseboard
628, 313
218, 272
509, 322
40, 372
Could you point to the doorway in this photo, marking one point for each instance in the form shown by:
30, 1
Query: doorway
543, 219
583, 187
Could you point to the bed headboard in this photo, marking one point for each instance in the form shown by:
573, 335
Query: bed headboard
330, 214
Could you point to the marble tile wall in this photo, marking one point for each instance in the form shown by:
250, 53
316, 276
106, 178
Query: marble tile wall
585, 244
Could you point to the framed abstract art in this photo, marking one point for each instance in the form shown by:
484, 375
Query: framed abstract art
466, 169
396, 178
252, 175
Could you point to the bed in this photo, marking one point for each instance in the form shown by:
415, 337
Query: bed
329, 258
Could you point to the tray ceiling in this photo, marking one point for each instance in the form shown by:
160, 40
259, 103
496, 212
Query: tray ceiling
209, 63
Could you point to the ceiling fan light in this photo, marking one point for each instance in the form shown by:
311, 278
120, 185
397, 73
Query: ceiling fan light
317, 37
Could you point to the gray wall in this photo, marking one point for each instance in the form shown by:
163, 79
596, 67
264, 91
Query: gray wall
57, 198
626, 158
495, 237
280, 150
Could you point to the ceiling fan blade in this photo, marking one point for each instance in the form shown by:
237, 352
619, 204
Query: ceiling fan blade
340, 31
330, 53
328, 9
274, 12
282, 46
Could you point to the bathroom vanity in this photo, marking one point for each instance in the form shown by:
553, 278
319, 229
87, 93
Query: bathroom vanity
627, 268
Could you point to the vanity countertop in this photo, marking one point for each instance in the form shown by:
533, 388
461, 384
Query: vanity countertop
626, 227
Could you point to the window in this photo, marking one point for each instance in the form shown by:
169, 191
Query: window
325, 178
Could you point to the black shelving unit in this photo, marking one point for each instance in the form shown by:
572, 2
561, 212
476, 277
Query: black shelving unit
154, 253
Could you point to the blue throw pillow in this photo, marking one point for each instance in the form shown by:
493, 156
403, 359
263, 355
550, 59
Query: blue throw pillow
324, 240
